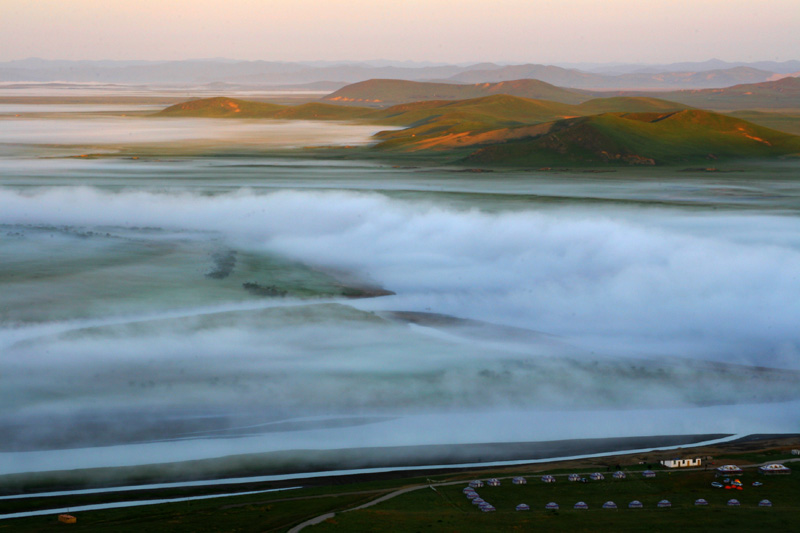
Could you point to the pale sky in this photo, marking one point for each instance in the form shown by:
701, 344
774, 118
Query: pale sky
520, 31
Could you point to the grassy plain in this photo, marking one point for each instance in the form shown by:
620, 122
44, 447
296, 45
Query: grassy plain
445, 508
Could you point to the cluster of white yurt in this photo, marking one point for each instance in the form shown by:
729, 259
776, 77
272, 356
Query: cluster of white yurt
596, 476
619, 474
574, 477
548, 478
519, 481
473, 496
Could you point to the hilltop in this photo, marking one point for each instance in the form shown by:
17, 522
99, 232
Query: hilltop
780, 94
222, 107
384, 91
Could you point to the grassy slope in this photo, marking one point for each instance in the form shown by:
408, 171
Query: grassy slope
644, 138
383, 91
489, 120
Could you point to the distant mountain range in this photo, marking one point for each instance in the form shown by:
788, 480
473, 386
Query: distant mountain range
713, 73
780, 94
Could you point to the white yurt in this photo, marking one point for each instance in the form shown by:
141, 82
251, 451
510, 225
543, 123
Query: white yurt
774, 468
700, 501
581, 505
493, 482
734, 502
523, 507
765, 503
476, 484
648, 473
619, 474
596, 476
728, 470
552, 506
665, 503
609, 505
635, 504
519, 480
574, 477
549, 479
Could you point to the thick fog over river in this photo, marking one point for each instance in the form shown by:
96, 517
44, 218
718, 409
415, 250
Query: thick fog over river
158, 309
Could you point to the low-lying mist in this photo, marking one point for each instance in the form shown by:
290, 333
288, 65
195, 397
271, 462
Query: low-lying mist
722, 286
616, 308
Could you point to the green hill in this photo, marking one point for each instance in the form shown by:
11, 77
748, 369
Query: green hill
388, 92
491, 119
222, 107
642, 138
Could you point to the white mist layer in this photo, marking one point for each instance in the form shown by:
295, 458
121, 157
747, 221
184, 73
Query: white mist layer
128, 130
638, 281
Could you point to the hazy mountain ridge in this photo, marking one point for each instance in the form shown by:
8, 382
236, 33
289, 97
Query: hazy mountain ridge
287, 73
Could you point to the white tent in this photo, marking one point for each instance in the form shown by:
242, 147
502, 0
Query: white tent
552, 506
665, 503
620, 475
734, 502
774, 468
519, 481
549, 479
596, 476
581, 505
523, 507
765, 503
700, 501
609, 505
635, 504
574, 477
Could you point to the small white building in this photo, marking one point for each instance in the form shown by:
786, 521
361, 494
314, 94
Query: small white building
682, 463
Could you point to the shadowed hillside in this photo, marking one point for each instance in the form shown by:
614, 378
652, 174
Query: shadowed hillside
643, 138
